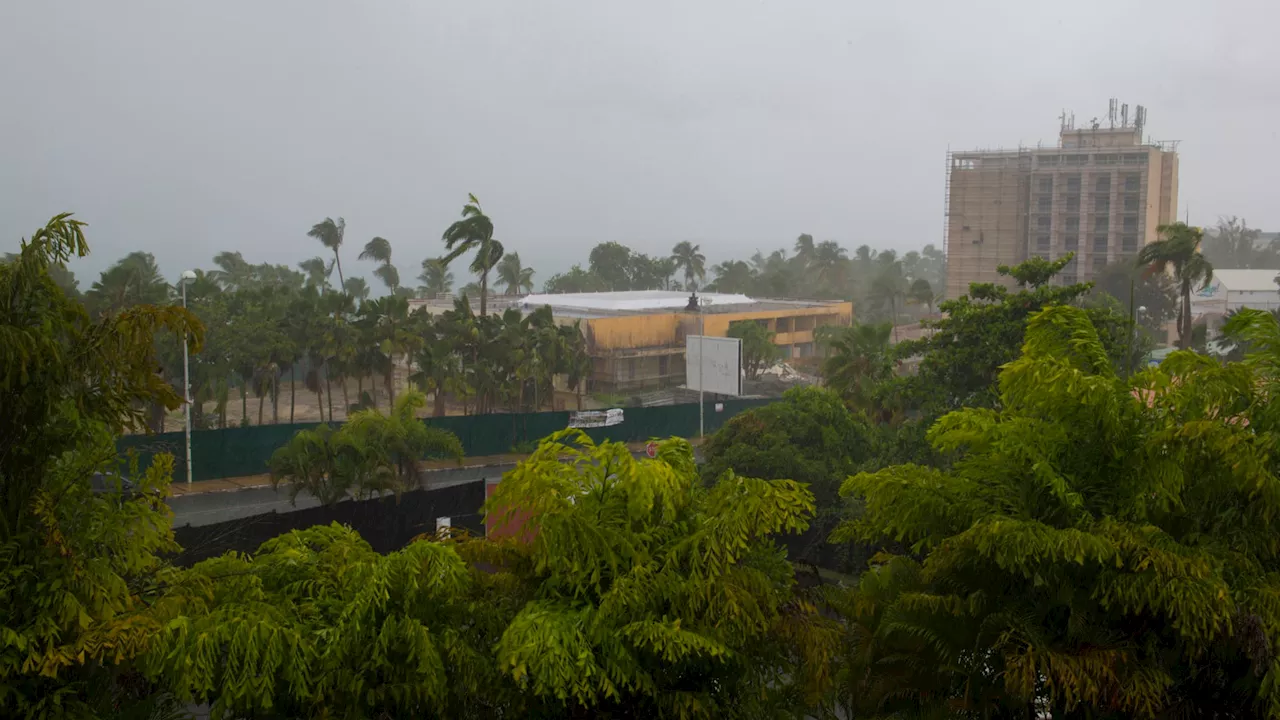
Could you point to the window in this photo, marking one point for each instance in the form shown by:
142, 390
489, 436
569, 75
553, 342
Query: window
1099, 263
1042, 222
1048, 161
964, 163
1108, 159
1131, 202
1073, 203
631, 368
1070, 242
1100, 243
1132, 183
784, 324
1138, 159
1102, 204
1131, 223
1046, 185
664, 365
1101, 224
1075, 159
1068, 278
1073, 223
1129, 243
1044, 203
1073, 183
1042, 244
1103, 183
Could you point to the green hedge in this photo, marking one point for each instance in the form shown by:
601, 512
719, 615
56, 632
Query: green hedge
235, 452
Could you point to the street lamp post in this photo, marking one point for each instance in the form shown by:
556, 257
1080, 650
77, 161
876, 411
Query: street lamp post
187, 275
699, 304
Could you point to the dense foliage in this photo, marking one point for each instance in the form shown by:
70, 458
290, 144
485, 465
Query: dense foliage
80, 566
640, 593
1102, 547
369, 454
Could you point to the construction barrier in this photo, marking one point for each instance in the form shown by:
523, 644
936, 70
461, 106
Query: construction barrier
237, 452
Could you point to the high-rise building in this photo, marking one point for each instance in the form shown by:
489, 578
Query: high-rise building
1101, 194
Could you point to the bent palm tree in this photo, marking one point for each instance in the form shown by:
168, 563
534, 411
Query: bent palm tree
686, 256
515, 276
474, 232
329, 232
1179, 250
317, 271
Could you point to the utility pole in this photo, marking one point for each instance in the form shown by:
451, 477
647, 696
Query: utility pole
186, 375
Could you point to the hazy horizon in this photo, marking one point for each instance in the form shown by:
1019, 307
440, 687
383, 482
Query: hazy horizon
185, 130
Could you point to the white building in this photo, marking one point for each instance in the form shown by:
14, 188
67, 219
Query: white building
1234, 289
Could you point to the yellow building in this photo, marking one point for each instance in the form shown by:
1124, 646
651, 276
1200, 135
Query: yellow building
636, 338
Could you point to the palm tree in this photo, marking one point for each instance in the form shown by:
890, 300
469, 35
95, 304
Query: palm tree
887, 287
133, 280
317, 271
329, 233
233, 273
804, 250
922, 292
379, 250
1179, 250
515, 276
358, 288
829, 266
474, 232
686, 256
733, 276
436, 278
858, 361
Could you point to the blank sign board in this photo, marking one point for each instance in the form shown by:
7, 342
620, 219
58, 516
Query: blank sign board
721, 362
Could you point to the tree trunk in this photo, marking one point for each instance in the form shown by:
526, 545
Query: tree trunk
328, 391
346, 401
439, 410
275, 397
244, 402
360, 390
342, 283
1184, 318
484, 291
293, 373
261, 398
391, 385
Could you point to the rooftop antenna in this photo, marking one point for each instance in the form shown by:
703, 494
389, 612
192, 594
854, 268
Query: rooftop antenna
1111, 112
1124, 115
1140, 119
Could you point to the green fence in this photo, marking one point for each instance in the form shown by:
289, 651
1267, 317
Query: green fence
236, 452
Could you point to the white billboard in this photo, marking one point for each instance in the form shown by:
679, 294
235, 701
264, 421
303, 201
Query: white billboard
713, 364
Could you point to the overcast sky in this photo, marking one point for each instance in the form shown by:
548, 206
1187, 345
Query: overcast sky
186, 128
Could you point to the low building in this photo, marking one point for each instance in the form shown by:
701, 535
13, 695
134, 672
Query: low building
1234, 289
636, 339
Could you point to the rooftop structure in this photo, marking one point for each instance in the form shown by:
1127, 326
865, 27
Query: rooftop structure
1099, 194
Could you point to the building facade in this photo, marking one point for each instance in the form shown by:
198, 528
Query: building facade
636, 339
1100, 194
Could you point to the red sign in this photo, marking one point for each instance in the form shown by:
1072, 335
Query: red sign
651, 449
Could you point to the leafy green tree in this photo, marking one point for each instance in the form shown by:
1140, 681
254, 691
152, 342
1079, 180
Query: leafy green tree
516, 277
689, 259
1233, 244
1178, 250
368, 455
357, 288
379, 250
612, 263
474, 233
1156, 292
330, 234
758, 350
961, 360
650, 273
435, 277
651, 594
830, 268
809, 436
1101, 547
83, 577
576, 280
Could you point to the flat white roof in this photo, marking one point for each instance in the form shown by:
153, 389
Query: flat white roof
1247, 280
630, 300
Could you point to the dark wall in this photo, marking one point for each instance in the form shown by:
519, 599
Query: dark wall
386, 523
237, 452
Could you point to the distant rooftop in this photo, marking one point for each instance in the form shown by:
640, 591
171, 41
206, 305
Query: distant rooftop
1246, 280
633, 302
